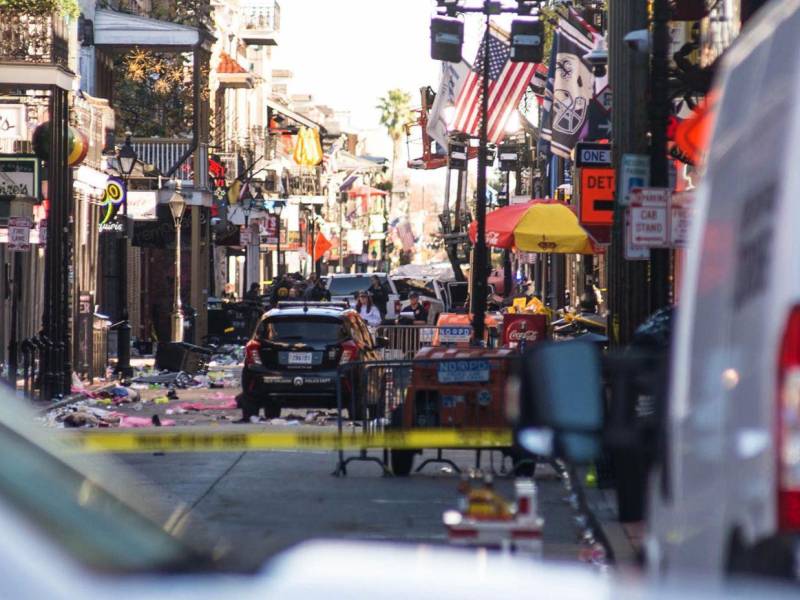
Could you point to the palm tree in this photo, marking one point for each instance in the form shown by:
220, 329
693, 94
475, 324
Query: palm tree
395, 109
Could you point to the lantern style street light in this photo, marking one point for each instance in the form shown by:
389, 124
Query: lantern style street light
177, 206
126, 157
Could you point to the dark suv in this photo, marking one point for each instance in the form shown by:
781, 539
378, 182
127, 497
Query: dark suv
293, 356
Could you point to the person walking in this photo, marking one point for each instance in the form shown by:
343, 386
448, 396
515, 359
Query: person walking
317, 292
368, 311
379, 296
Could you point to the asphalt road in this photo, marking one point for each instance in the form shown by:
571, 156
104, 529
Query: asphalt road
259, 503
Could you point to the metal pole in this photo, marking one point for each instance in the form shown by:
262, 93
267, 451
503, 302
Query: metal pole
627, 70
341, 239
278, 248
177, 318
124, 330
479, 275
659, 165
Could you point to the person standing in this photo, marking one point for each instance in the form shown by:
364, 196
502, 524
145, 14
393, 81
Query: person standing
414, 311
254, 293
379, 296
368, 311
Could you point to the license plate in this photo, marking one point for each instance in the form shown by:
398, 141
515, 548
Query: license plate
300, 358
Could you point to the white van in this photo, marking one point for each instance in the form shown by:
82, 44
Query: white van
723, 492
729, 498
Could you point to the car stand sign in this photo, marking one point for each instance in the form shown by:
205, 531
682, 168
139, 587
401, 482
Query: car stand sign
649, 216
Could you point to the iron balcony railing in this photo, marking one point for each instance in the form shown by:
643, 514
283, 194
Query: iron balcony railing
261, 16
168, 155
35, 39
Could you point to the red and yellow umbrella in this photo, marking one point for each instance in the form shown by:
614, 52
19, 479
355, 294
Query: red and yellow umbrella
537, 226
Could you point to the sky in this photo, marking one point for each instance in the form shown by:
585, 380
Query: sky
348, 53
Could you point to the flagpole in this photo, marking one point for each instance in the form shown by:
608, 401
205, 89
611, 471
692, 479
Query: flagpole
480, 257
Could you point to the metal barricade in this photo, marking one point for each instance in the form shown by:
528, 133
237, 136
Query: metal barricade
404, 341
99, 359
465, 392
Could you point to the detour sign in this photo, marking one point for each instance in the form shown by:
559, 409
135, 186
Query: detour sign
598, 186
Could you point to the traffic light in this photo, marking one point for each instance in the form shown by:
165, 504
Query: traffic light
447, 37
527, 40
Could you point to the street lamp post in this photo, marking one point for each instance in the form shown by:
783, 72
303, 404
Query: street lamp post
247, 208
177, 205
127, 160
276, 210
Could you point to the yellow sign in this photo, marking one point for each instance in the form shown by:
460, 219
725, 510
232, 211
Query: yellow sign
187, 441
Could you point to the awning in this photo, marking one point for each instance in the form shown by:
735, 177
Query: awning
112, 28
297, 117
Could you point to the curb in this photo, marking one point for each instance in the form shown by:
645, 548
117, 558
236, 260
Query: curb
602, 504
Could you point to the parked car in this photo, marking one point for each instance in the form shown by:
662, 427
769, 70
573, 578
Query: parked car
293, 356
431, 293
344, 286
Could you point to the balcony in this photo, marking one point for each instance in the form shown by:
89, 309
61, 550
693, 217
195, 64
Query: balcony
261, 22
40, 40
167, 155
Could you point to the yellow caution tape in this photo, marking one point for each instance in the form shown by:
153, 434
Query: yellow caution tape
183, 441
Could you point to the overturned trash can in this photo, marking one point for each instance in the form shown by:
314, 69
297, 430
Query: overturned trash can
182, 357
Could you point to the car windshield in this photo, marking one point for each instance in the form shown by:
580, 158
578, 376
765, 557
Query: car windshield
407, 285
292, 329
69, 502
347, 286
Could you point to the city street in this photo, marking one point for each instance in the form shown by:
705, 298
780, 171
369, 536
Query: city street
259, 503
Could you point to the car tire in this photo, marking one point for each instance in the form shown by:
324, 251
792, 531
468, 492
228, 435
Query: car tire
523, 464
773, 557
402, 461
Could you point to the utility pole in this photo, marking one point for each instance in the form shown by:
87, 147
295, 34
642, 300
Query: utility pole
480, 254
627, 281
659, 164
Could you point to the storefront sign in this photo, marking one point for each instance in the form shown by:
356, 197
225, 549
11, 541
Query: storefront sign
597, 188
112, 202
19, 176
523, 329
142, 205
19, 234
649, 211
12, 122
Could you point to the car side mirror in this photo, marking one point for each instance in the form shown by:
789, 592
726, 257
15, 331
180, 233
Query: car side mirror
560, 401
381, 342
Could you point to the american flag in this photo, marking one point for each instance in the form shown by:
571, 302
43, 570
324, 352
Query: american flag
507, 83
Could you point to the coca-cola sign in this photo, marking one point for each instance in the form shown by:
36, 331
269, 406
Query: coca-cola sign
523, 327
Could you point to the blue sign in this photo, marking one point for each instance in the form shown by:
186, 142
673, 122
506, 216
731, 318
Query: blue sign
455, 334
463, 371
